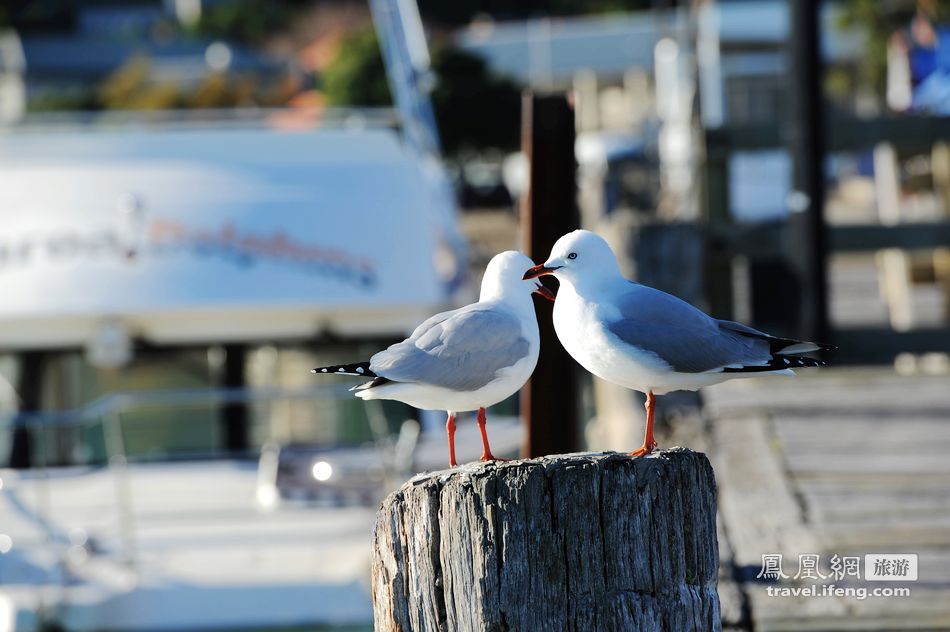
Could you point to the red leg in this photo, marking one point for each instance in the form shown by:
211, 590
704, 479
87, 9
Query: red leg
486, 451
450, 429
649, 443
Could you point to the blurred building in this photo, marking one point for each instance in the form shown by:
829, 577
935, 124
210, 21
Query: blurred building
136, 55
547, 53
635, 78
167, 460
57, 64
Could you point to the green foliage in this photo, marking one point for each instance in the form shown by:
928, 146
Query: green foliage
245, 21
881, 20
127, 87
474, 109
63, 100
131, 87
879, 24
460, 12
357, 76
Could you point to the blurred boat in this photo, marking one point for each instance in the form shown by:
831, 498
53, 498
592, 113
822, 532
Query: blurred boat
281, 541
190, 234
169, 279
147, 249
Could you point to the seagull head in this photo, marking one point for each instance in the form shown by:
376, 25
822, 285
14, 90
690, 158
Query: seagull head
578, 256
503, 278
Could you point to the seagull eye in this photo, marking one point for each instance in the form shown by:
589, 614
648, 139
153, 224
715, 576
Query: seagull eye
573, 255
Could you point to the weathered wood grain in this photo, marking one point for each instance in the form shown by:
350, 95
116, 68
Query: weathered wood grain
835, 462
591, 541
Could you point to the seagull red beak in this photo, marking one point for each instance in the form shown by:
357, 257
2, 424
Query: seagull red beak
544, 292
536, 271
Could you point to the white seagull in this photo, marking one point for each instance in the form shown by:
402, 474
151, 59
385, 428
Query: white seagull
464, 359
647, 340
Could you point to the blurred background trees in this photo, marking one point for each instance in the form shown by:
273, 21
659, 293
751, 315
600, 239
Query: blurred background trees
346, 70
462, 12
246, 21
356, 76
475, 109
880, 21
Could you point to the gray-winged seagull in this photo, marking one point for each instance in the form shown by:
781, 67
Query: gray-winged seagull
647, 340
465, 359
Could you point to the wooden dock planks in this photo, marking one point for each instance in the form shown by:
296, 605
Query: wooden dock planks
856, 463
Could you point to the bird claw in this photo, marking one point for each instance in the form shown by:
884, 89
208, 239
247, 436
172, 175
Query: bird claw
643, 450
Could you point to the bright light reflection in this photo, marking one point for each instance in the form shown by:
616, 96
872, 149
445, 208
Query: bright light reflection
322, 470
7, 614
266, 495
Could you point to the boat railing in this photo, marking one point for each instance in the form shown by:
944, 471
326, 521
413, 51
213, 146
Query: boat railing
107, 412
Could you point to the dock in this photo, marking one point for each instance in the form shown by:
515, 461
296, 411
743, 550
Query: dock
845, 462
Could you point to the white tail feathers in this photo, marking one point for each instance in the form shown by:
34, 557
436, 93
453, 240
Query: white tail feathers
800, 347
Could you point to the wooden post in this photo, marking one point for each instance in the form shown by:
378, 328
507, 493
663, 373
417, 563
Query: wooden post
718, 268
586, 541
30, 390
549, 403
807, 234
234, 415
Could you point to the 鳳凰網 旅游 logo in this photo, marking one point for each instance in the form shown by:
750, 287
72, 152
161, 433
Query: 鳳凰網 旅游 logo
890, 567
815, 575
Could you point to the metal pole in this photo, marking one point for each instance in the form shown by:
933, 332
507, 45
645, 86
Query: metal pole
29, 388
234, 415
549, 402
807, 234
119, 466
402, 43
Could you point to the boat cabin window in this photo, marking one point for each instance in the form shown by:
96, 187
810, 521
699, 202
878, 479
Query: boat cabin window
167, 413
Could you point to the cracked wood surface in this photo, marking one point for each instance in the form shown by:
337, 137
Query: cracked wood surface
589, 541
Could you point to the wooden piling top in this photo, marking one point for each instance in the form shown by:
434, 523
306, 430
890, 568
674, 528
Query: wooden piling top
585, 541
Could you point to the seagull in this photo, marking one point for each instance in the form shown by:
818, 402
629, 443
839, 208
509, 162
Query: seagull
647, 340
464, 359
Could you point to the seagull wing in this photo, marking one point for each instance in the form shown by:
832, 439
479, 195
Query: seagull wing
460, 350
690, 341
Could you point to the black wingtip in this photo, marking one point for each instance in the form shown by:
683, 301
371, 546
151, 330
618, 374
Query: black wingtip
779, 363
357, 369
